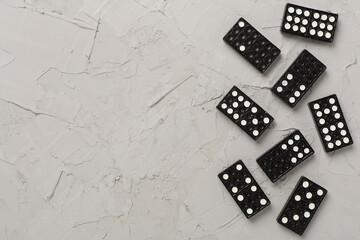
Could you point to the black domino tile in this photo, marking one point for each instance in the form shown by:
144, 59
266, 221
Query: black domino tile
298, 78
330, 122
245, 113
252, 45
301, 206
244, 189
309, 23
285, 156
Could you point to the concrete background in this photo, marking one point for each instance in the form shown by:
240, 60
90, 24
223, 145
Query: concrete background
108, 126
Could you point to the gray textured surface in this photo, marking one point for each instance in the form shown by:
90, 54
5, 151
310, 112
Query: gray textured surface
109, 128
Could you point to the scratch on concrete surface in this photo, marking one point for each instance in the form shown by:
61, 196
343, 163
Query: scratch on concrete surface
94, 40
55, 187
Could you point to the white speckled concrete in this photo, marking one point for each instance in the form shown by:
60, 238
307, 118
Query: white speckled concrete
109, 128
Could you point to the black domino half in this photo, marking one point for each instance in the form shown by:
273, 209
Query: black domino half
285, 156
298, 78
252, 45
310, 23
244, 189
301, 206
244, 112
330, 122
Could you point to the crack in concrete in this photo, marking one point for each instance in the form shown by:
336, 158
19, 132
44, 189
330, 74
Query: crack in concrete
36, 113
94, 39
77, 22
162, 97
354, 62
